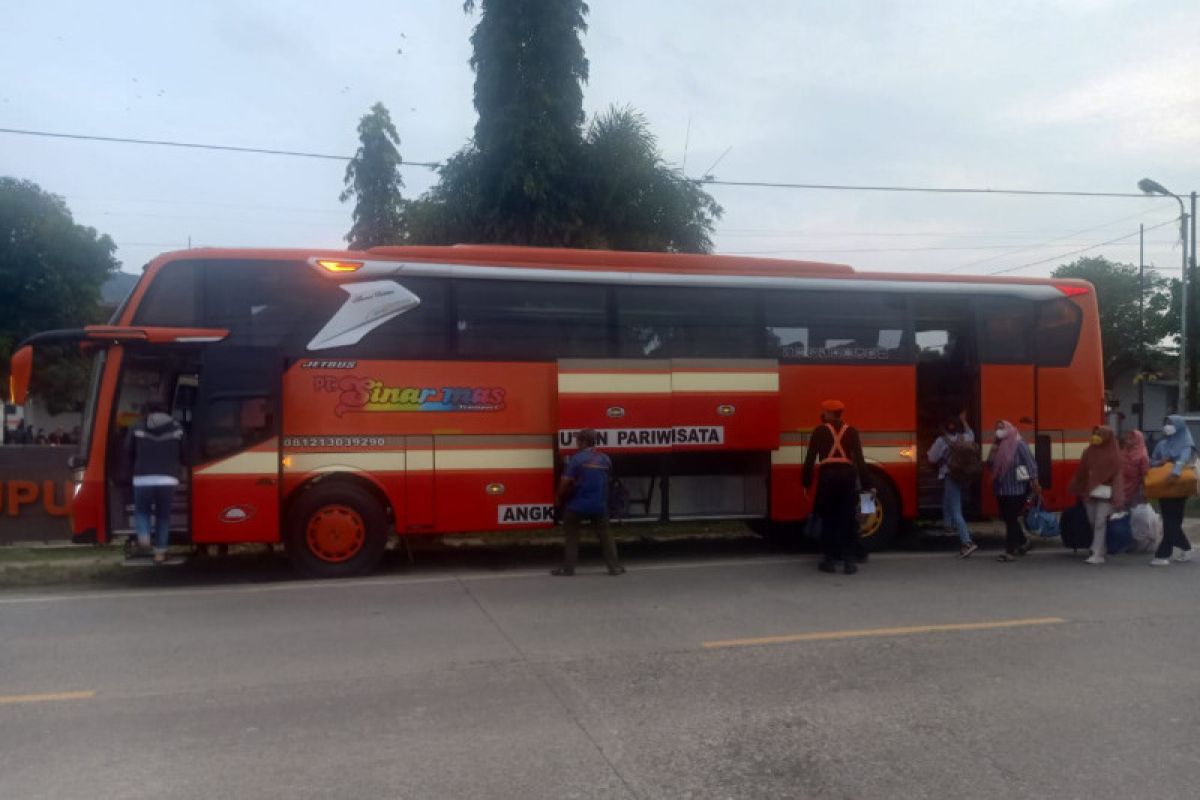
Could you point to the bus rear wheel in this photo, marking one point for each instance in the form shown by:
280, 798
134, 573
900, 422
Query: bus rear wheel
879, 530
336, 530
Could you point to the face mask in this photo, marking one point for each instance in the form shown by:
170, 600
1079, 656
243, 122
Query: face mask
1097, 440
1169, 429
1001, 433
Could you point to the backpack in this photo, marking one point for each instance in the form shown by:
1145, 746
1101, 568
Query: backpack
1075, 529
963, 462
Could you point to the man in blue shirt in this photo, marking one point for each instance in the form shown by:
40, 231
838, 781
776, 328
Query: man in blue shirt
583, 491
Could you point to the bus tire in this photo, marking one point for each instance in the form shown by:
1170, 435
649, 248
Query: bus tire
880, 530
336, 530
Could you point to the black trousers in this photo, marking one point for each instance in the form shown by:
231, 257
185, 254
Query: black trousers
1173, 535
1011, 506
837, 508
608, 546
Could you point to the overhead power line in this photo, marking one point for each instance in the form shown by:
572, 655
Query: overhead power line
708, 181
201, 146
1070, 253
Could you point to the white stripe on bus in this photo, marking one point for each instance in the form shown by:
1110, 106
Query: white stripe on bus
725, 381
614, 383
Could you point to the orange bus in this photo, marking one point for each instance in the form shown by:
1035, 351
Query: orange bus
334, 399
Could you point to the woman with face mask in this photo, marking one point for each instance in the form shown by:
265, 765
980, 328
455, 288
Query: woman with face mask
1178, 448
1098, 483
1014, 476
1135, 463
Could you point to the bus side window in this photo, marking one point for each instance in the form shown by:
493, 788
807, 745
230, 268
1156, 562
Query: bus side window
234, 423
837, 327
522, 320
670, 322
1005, 324
1058, 324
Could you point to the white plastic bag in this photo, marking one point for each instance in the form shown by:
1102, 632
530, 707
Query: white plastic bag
1147, 528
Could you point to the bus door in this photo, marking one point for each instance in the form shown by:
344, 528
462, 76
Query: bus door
1007, 380
235, 446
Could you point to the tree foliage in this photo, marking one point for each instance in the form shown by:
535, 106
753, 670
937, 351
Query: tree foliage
51, 271
1117, 292
532, 175
373, 180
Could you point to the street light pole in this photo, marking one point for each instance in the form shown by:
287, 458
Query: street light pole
1154, 187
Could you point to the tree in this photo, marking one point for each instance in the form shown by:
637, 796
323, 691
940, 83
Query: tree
530, 175
373, 179
1117, 291
633, 200
51, 271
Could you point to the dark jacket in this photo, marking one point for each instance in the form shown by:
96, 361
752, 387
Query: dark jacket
822, 442
155, 446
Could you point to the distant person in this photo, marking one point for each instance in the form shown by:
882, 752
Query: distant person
1014, 478
1135, 463
1098, 483
957, 458
56, 438
1178, 448
40, 438
835, 459
583, 491
155, 449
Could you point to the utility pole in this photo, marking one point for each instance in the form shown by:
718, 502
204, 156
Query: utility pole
1141, 387
1192, 371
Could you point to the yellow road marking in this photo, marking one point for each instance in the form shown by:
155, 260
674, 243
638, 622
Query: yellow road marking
9, 699
820, 636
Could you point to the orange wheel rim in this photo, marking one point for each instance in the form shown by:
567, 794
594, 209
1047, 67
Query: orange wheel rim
336, 533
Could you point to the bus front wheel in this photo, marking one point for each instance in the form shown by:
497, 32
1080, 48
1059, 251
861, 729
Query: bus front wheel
336, 530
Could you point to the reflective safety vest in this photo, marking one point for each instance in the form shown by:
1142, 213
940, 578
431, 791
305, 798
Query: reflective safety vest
837, 453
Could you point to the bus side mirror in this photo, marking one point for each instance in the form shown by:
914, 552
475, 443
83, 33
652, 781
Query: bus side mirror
1043, 453
21, 368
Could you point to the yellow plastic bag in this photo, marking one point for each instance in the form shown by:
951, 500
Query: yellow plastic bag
1159, 485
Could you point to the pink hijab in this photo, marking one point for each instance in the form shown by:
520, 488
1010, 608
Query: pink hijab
1135, 463
1004, 451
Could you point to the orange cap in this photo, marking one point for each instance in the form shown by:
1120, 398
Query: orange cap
833, 405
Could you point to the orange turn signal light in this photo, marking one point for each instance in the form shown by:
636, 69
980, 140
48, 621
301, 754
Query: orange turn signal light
333, 265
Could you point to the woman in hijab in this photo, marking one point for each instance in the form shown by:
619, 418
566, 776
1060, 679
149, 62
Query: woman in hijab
1014, 476
1098, 484
1135, 463
1178, 448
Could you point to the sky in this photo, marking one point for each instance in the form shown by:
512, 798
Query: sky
1077, 95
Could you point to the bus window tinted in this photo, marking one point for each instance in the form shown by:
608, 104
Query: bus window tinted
262, 302
1005, 329
522, 320
419, 333
836, 326
1058, 324
664, 322
172, 300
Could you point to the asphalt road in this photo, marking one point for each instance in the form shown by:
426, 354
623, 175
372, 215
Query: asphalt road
1051, 679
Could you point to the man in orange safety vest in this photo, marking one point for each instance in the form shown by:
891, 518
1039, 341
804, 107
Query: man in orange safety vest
835, 458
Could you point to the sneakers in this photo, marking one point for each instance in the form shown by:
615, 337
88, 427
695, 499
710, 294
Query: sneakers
1182, 555
1094, 559
1159, 562
966, 550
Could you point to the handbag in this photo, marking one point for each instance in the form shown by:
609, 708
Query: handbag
1159, 485
1040, 521
1101, 492
1118, 534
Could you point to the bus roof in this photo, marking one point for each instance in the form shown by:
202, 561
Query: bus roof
612, 261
